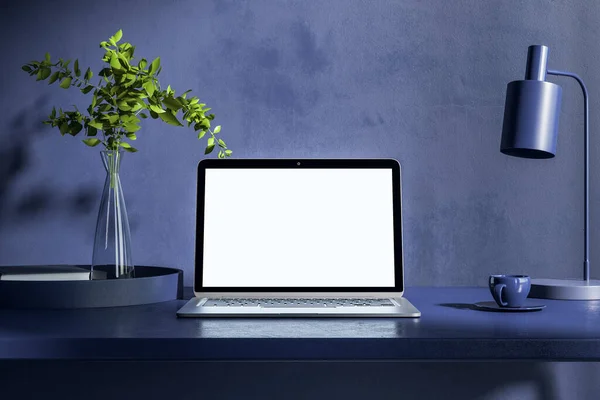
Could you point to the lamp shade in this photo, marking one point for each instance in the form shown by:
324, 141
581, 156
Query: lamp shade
531, 113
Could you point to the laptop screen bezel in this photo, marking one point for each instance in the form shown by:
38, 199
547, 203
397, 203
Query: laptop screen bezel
392, 164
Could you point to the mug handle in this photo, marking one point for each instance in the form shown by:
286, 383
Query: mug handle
498, 292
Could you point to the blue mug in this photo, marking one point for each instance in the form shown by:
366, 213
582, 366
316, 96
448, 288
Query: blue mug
510, 290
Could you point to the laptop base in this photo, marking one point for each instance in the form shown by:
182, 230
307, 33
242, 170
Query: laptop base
403, 309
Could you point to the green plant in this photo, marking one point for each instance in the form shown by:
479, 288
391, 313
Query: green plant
124, 94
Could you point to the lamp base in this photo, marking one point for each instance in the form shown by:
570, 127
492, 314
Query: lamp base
565, 289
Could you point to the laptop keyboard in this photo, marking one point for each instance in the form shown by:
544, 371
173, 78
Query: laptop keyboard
299, 303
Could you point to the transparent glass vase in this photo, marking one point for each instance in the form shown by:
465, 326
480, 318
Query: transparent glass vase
112, 243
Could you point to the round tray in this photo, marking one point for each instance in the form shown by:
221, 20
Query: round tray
150, 285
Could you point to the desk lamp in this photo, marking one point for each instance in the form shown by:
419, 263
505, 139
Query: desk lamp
530, 130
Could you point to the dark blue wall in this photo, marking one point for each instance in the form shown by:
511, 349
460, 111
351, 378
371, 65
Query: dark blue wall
420, 81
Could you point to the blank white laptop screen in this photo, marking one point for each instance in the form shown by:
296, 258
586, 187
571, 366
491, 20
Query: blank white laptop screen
298, 228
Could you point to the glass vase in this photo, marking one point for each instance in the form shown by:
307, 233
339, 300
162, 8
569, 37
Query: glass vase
112, 242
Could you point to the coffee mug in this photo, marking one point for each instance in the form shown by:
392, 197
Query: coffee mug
510, 290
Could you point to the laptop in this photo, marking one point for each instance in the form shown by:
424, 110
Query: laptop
299, 238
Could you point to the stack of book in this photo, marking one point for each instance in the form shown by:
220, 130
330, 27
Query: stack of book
48, 273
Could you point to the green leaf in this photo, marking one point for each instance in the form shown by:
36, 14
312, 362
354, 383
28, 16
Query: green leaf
154, 66
149, 88
128, 118
75, 127
95, 124
156, 109
47, 57
169, 118
142, 115
53, 113
76, 68
112, 118
26, 68
124, 61
43, 73
64, 128
91, 131
131, 136
123, 106
211, 141
201, 134
91, 142
222, 144
142, 64
87, 89
221, 154
209, 149
114, 62
117, 36
171, 104
88, 74
127, 147
131, 128
106, 72
53, 78
94, 99
66, 83
228, 152
153, 114
217, 129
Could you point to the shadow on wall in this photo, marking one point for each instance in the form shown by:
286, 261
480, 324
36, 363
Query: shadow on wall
16, 161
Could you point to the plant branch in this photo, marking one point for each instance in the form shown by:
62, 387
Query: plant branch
120, 97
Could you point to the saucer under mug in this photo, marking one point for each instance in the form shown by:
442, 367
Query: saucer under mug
493, 306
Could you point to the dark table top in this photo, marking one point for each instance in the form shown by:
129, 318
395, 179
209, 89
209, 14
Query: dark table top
450, 329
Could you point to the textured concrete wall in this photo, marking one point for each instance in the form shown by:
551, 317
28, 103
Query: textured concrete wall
420, 81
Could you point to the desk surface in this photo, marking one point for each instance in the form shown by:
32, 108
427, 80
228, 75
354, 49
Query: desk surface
449, 329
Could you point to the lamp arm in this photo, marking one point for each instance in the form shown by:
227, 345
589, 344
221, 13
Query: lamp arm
586, 261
